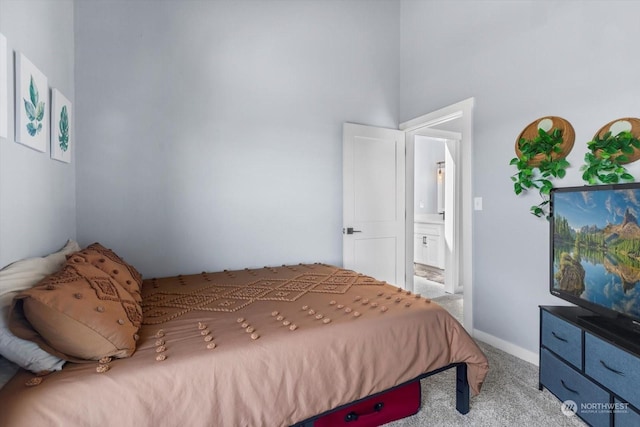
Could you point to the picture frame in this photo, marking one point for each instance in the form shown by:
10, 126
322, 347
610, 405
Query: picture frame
4, 89
61, 120
32, 105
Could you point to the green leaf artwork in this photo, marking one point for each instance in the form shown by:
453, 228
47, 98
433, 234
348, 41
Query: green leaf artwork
64, 129
31, 111
34, 109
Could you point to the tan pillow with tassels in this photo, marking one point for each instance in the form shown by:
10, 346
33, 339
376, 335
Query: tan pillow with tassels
79, 313
109, 262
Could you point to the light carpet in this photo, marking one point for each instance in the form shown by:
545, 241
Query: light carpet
509, 396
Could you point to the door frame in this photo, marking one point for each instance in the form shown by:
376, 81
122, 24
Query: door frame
462, 110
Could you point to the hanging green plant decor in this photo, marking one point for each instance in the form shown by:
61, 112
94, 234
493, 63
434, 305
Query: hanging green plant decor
608, 153
542, 158
539, 176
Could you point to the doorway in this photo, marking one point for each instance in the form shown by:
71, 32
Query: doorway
439, 232
429, 197
456, 118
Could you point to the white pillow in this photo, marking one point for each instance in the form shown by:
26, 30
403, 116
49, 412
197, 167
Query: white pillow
25, 273
14, 278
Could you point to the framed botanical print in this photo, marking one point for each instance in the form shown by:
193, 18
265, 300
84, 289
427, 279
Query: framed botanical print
60, 127
32, 104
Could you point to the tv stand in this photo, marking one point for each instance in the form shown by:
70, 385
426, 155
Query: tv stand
590, 364
621, 335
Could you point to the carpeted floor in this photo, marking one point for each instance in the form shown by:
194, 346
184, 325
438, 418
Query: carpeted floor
509, 396
452, 303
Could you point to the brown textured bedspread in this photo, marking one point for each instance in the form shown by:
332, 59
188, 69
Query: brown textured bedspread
265, 347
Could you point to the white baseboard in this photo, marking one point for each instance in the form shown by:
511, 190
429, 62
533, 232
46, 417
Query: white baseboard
512, 349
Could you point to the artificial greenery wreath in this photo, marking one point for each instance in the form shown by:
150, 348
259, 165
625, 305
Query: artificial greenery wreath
607, 154
538, 163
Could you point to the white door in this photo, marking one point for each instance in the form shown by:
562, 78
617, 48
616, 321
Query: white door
373, 239
452, 218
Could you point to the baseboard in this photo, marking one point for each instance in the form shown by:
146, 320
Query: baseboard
507, 347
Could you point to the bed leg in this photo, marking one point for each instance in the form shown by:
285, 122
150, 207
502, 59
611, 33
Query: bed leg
462, 389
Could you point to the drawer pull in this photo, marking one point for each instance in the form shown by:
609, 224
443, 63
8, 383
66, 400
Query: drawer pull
558, 337
611, 369
569, 388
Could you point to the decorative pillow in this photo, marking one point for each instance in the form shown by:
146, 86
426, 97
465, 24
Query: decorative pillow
25, 273
109, 262
16, 277
79, 313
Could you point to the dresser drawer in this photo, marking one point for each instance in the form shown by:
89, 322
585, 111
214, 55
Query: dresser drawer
567, 384
612, 367
562, 338
429, 229
625, 416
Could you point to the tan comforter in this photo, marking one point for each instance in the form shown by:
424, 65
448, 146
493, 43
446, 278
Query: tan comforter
286, 343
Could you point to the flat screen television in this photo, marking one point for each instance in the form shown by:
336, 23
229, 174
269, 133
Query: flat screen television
595, 253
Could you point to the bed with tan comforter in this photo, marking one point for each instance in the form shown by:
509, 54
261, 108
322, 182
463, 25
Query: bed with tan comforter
263, 347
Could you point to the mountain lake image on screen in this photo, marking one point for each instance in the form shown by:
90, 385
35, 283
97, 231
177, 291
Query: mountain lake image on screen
596, 247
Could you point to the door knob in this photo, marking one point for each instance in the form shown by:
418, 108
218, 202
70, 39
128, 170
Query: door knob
350, 230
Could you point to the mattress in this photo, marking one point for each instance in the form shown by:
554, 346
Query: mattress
269, 346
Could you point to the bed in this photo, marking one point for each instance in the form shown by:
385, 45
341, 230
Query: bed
274, 346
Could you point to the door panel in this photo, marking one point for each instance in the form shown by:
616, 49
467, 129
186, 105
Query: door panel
373, 202
374, 179
377, 257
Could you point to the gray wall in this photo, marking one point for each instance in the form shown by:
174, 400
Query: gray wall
210, 133
428, 152
521, 61
37, 194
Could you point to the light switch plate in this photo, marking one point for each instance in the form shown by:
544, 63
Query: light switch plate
477, 203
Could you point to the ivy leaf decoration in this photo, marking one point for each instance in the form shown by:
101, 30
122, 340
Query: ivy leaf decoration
607, 154
64, 129
539, 177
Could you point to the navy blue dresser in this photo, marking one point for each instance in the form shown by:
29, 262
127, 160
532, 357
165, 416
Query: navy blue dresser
590, 369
